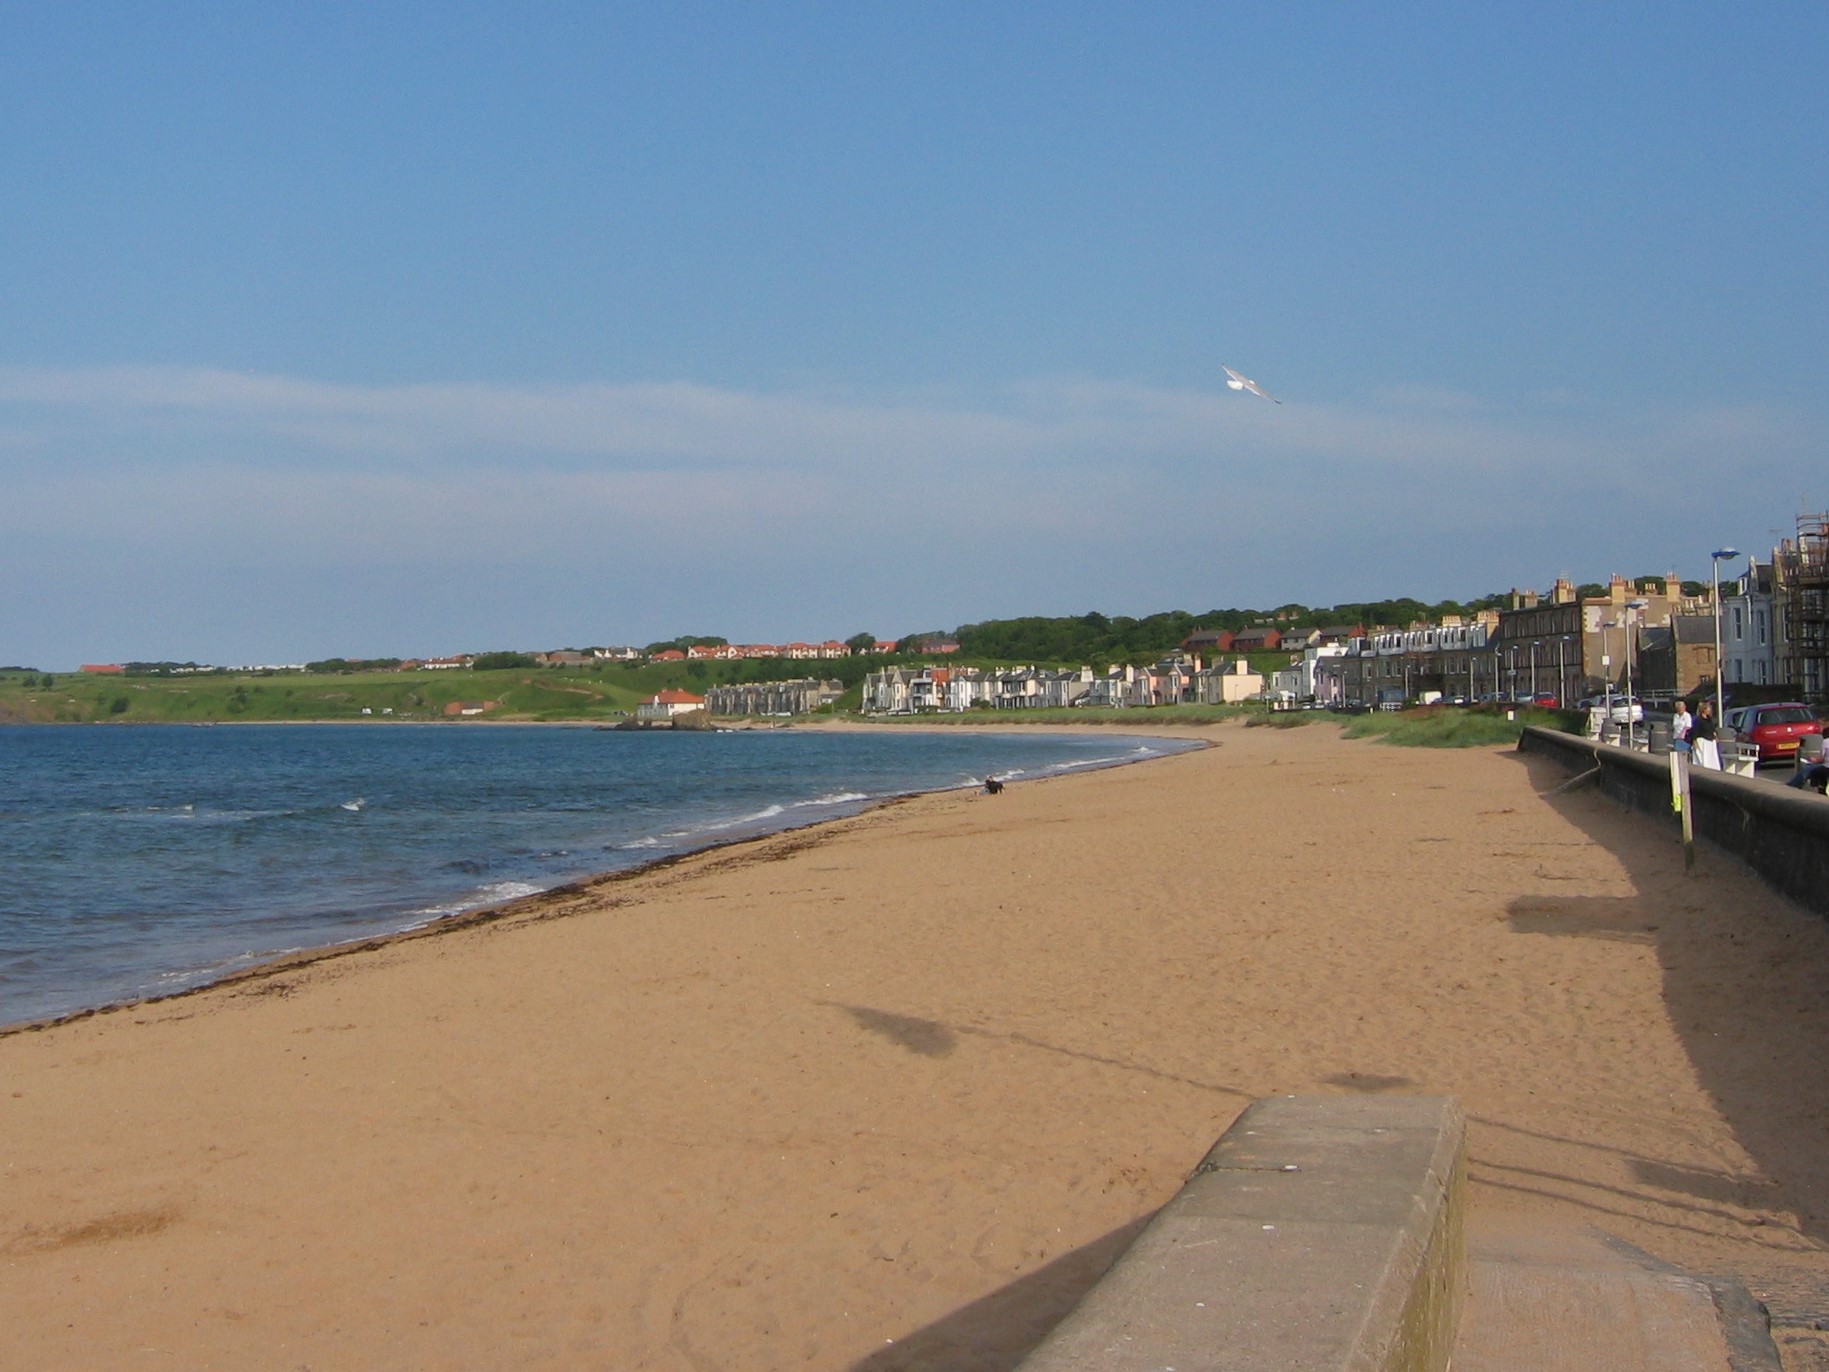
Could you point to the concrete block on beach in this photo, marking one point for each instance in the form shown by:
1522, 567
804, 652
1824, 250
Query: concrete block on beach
1320, 1232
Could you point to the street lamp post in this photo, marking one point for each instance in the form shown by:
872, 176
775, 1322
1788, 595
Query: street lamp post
1714, 575
1631, 730
1606, 680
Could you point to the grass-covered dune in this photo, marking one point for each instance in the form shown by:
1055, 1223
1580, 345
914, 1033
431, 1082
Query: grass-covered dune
1440, 726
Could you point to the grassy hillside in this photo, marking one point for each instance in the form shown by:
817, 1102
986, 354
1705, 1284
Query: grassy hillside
527, 694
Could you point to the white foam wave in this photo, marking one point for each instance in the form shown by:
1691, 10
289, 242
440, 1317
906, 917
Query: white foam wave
234, 816
496, 892
768, 812
1084, 763
201, 974
836, 798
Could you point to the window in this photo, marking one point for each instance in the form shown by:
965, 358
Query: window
1739, 621
1785, 714
1759, 625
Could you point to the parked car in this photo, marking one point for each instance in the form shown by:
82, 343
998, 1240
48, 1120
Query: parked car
1619, 710
1777, 728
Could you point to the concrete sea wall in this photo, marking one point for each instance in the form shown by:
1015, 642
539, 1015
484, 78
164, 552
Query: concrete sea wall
1781, 833
1320, 1232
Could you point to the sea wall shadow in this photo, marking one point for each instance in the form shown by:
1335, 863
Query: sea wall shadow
999, 1330
996, 1332
1744, 991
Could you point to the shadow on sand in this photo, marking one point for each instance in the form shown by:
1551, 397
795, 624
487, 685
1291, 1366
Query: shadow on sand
997, 1332
1761, 1053
1746, 987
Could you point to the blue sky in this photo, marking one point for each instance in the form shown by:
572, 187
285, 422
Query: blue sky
406, 329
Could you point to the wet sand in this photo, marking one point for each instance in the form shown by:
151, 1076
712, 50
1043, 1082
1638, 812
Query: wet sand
889, 1093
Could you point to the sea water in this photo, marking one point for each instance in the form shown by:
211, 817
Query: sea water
142, 860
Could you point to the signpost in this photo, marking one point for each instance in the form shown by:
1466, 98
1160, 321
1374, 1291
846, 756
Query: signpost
1679, 801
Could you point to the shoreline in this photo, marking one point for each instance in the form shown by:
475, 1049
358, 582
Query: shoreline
528, 905
1001, 719
888, 1092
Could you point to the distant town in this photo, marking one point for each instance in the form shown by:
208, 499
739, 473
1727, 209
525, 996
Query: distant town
1759, 625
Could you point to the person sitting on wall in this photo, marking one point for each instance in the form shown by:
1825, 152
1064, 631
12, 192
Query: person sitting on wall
1815, 777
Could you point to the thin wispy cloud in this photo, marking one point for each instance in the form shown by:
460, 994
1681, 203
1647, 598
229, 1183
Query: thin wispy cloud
207, 454
681, 425
674, 421
926, 507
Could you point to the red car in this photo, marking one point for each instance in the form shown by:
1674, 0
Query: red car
1777, 728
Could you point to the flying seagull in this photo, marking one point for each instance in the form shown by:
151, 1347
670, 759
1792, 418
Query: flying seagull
1245, 383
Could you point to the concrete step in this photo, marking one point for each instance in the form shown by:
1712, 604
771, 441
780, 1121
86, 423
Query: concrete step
1553, 1299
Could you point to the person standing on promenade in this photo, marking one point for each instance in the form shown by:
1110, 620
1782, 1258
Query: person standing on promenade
1702, 737
1680, 723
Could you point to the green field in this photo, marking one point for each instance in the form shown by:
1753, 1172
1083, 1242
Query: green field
520, 694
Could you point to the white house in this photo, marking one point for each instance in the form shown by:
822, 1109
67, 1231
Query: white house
1749, 649
669, 704
1229, 684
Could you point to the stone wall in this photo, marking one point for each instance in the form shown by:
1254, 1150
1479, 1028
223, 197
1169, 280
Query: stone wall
1780, 832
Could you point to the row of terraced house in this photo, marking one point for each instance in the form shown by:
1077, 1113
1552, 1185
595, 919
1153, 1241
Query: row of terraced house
799, 697
1648, 638
738, 652
1180, 679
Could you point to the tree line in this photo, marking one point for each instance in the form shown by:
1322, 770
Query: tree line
1099, 638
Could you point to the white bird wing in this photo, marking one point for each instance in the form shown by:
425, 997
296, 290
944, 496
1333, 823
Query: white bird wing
1239, 382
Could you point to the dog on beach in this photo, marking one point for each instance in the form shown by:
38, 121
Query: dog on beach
992, 786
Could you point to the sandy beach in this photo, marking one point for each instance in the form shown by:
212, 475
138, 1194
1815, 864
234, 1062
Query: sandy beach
889, 1093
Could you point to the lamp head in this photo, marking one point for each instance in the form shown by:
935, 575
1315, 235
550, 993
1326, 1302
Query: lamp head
1721, 553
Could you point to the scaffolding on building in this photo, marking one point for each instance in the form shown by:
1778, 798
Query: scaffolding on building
1802, 585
